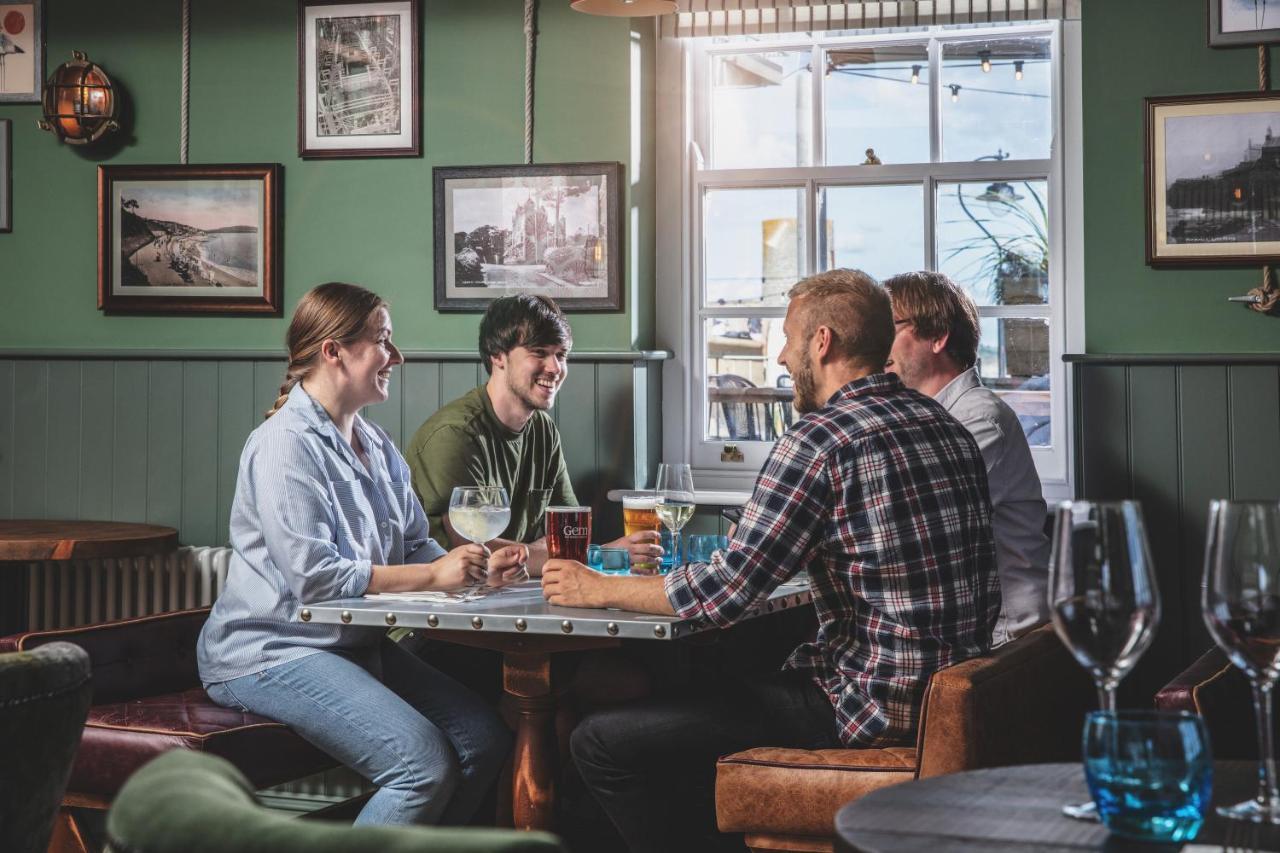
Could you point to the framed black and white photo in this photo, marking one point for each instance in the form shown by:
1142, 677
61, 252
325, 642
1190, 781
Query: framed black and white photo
358, 79
553, 229
21, 52
1237, 23
1213, 179
189, 239
6, 176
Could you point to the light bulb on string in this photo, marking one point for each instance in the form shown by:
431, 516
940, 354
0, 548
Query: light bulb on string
985, 56
1017, 69
955, 91
915, 74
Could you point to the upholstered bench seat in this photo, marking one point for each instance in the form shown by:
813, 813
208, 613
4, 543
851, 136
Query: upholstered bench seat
120, 737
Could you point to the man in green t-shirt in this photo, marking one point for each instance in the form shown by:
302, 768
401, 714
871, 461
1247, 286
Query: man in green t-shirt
501, 433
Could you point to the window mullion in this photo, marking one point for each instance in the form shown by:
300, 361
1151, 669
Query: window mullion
930, 223
817, 76
935, 101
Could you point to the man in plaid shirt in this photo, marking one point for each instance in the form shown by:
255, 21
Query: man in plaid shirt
882, 496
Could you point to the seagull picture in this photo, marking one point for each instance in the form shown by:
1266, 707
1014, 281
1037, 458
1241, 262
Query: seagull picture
7, 46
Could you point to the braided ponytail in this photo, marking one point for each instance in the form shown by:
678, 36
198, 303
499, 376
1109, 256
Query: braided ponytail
333, 311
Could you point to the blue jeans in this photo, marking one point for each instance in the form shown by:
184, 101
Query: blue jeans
431, 746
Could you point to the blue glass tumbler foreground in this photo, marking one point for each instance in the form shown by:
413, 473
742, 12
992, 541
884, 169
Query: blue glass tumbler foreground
1150, 773
700, 546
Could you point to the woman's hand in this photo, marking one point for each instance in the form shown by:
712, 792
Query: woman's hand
461, 566
508, 564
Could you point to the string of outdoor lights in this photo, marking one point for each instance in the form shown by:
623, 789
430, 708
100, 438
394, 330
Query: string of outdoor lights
984, 63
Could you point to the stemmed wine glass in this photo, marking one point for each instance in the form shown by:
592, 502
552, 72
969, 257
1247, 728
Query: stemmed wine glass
1240, 601
479, 513
674, 502
1103, 596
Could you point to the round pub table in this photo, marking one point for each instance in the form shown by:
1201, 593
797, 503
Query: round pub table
1019, 808
24, 541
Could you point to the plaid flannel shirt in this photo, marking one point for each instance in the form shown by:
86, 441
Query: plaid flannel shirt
882, 496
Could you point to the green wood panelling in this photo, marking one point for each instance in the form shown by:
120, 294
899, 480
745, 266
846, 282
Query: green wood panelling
1104, 432
1254, 392
200, 455
31, 421
164, 443
160, 440
97, 438
129, 455
7, 445
62, 474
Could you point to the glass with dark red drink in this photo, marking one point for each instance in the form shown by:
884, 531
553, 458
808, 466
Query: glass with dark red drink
568, 532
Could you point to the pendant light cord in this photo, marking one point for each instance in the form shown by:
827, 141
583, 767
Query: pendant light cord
530, 50
184, 128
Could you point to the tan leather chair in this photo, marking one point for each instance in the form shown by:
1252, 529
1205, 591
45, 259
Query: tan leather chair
1216, 690
1022, 704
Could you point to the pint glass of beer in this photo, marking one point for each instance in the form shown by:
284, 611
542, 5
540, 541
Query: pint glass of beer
639, 513
568, 532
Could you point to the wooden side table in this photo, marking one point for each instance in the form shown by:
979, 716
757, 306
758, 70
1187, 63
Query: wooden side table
24, 541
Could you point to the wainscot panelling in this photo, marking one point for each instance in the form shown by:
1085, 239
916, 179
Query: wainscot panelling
156, 436
1175, 432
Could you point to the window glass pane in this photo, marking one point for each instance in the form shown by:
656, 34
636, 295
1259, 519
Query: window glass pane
875, 229
748, 393
761, 110
993, 240
877, 99
1014, 362
753, 245
987, 112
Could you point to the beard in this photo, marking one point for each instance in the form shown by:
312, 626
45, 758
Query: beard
526, 394
805, 387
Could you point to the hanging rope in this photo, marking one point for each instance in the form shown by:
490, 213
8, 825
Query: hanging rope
1265, 298
183, 132
530, 48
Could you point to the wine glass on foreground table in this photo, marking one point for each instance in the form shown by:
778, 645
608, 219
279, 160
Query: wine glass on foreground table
1240, 601
1103, 597
674, 502
479, 513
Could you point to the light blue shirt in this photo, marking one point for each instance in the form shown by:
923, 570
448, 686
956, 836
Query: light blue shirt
308, 523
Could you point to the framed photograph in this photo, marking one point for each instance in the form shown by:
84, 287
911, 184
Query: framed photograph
358, 79
6, 176
553, 229
21, 52
1213, 190
189, 239
1237, 23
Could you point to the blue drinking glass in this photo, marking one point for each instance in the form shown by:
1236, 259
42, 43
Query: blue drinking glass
701, 546
670, 543
613, 561
1150, 772
593, 557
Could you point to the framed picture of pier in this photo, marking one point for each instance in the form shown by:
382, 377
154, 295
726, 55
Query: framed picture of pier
1213, 180
1243, 23
358, 79
553, 229
189, 239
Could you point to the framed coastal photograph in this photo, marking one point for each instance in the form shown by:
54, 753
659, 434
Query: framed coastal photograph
553, 229
1213, 179
189, 239
6, 176
21, 52
1236, 23
358, 79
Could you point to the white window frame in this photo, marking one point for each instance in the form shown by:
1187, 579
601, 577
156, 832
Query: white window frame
681, 65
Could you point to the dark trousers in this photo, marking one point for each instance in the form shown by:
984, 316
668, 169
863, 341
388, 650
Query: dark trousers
651, 765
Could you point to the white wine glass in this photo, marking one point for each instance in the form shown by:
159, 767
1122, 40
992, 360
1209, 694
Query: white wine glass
1240, 602
479, 514
1103, 595
673, 501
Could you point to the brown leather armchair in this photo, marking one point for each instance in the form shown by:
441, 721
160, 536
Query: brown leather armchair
147, 699
1024, 703
1216, 690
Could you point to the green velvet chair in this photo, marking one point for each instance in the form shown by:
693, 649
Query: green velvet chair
44, 698
186, 802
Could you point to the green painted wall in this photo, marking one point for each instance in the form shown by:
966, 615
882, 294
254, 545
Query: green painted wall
1132, 49
367, 221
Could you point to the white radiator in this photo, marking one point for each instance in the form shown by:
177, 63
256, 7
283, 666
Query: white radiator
72, 593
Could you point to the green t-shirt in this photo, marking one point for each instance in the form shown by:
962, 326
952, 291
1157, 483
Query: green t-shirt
464, 444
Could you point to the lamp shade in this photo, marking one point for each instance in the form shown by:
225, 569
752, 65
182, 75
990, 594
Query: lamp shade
625, 8
80, 103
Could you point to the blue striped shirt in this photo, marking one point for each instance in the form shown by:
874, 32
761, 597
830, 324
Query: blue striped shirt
307, 524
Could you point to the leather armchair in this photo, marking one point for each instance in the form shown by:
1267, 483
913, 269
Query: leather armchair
1023, 703
1216, 690
44, 696
188, 803
147, 699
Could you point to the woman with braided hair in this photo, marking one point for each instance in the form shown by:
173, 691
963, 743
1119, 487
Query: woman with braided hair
324, 509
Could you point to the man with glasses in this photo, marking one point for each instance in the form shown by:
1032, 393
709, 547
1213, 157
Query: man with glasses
935, 351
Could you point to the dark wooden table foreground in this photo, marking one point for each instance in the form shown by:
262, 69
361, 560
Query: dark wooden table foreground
1019, 808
